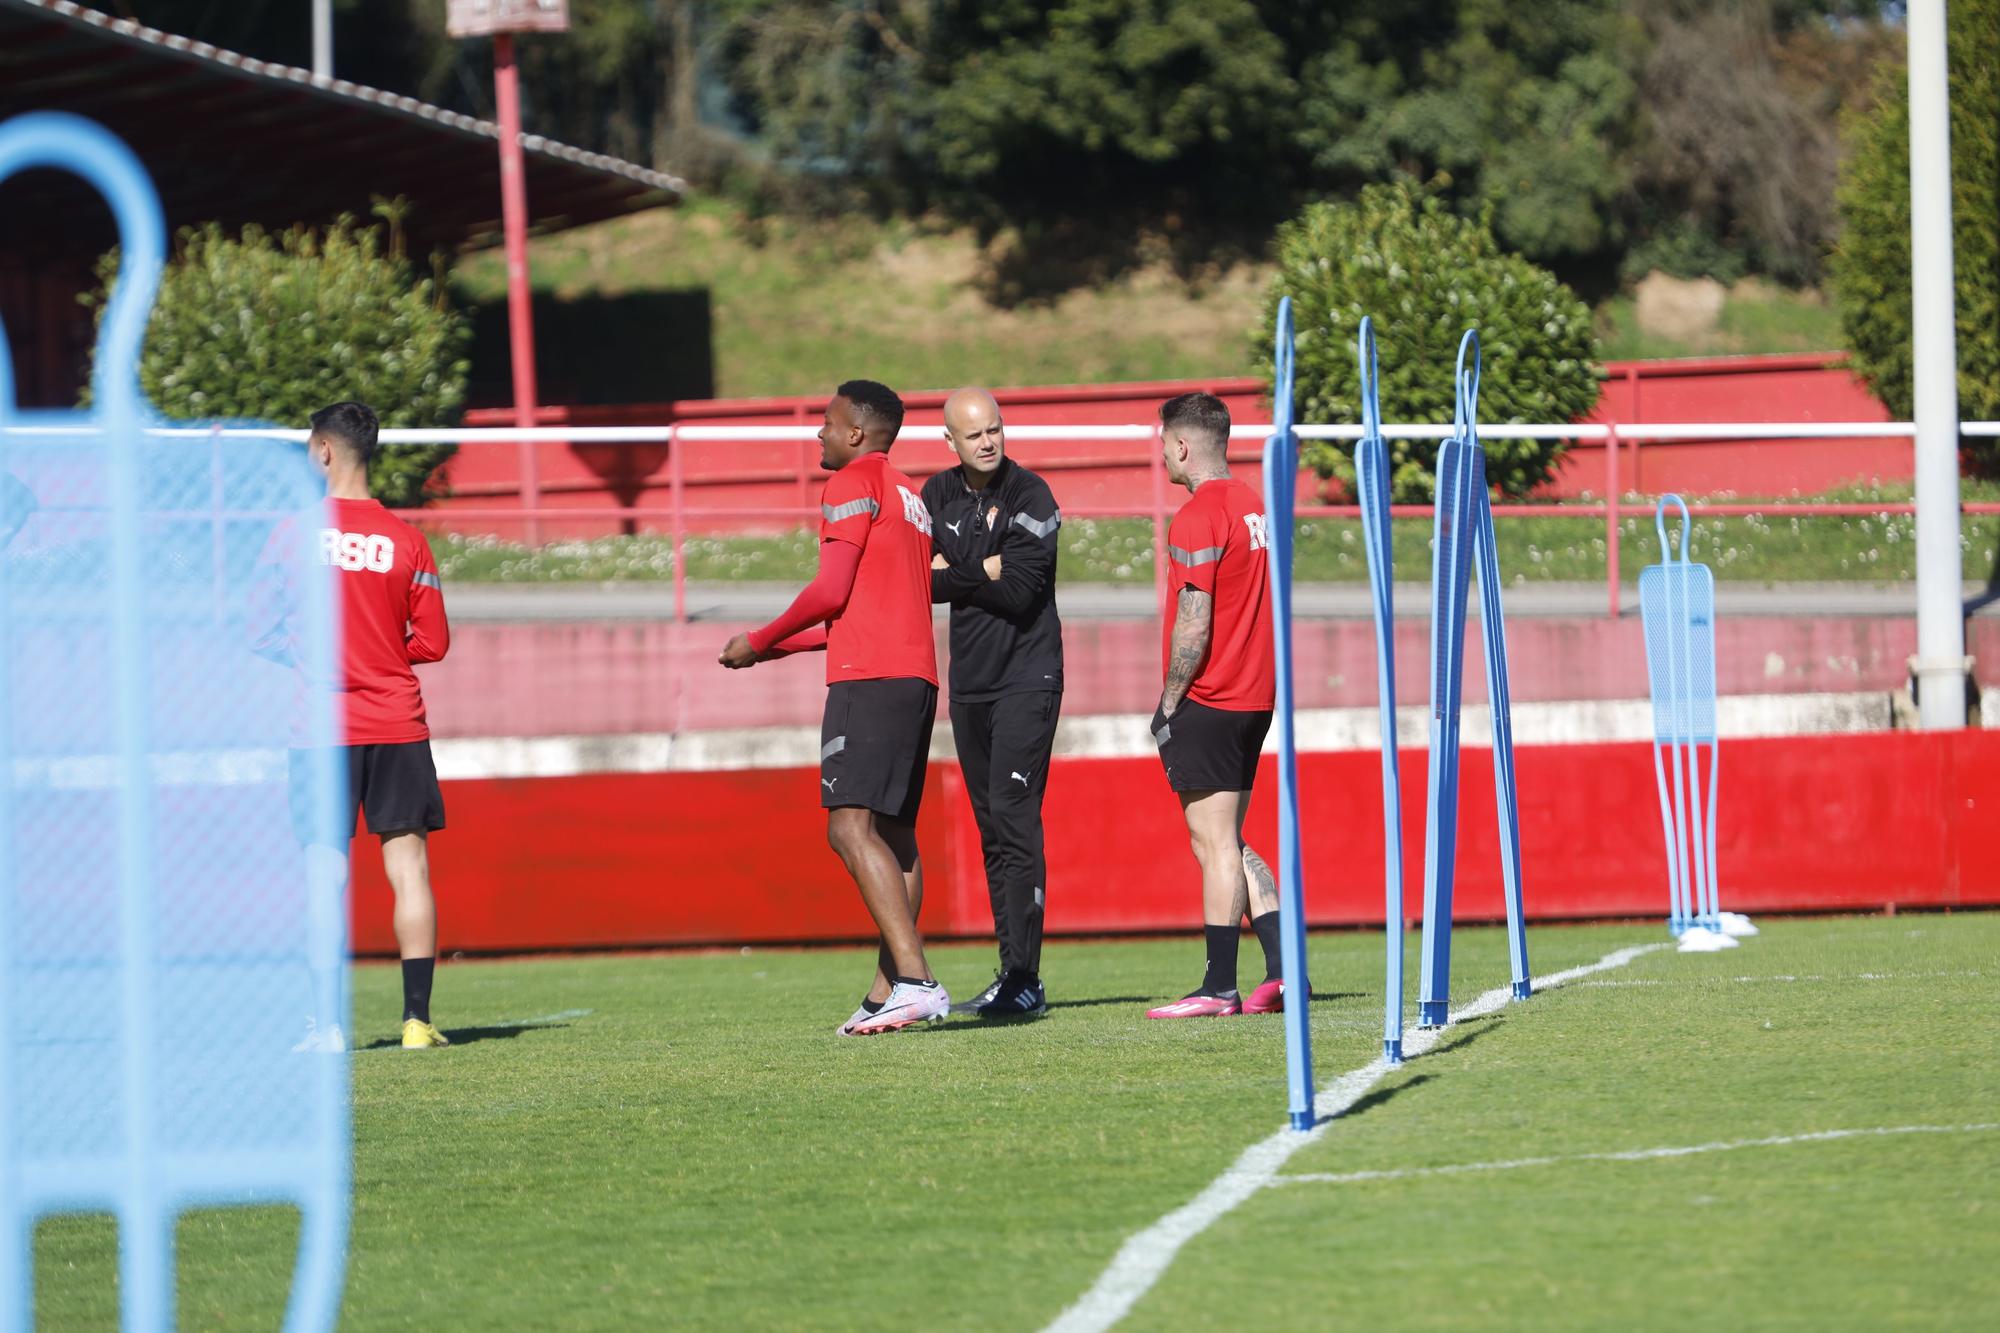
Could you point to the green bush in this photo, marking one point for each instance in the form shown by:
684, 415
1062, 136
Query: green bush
272, 328
1426, 275
1683, 248
1871, 264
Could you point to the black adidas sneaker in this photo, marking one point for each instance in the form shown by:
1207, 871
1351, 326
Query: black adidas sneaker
984, 998
1014, 997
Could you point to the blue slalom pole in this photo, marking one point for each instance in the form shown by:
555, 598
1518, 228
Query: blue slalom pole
1371, 465
1493, 630
1281, 472
1457, 472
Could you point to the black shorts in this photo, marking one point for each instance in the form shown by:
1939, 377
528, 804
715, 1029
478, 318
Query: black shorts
1210, 749
396, 784
875, 745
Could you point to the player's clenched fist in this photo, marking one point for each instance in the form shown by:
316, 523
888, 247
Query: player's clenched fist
738, 654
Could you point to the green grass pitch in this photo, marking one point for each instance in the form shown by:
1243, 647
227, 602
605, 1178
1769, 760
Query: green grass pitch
680, 1140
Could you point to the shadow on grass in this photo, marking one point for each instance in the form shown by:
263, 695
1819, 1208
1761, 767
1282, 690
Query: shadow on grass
1382, 1095
1468, 1031
466, 1036
1100, 1000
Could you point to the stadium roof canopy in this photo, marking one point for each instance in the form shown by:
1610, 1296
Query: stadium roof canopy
235, 140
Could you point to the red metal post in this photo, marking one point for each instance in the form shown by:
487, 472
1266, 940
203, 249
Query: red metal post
1611, 512
520, 312
1632, 378
807, 461
677, 504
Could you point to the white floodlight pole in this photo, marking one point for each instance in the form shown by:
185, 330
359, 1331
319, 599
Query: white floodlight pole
323, 38
1940, 664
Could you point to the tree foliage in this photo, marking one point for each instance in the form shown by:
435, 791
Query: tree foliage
272, 328
1871, 267
1695, 135
1740, 143
1426, 274
1528, 111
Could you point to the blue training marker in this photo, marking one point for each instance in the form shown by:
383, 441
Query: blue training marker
155, 930
1371, 467
1677, 604
1463, 536
1281, 479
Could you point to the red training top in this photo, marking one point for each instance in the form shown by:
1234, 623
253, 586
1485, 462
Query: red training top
881, 628
391, 616
1217, 545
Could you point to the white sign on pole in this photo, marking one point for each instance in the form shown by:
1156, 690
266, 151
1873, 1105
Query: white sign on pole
484, 18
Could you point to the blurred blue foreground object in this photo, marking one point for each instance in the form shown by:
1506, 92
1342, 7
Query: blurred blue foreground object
157, 938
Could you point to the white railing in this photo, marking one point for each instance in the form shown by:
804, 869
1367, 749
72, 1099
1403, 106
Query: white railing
676, 512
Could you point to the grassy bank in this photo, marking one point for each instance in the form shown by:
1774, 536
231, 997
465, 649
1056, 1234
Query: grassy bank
705, 300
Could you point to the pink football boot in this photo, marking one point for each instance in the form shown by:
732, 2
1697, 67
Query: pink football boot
1200, 1006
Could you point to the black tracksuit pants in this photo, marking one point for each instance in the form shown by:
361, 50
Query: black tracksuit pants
1003, 751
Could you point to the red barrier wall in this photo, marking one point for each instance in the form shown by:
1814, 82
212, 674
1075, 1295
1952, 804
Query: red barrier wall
1810, 387
1808, 824
777, 482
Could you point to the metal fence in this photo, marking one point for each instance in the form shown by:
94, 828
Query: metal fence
676, 514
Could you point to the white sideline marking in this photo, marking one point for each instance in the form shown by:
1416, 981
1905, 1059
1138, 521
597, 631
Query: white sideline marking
1141, 1261
1783, 977
1633, 1155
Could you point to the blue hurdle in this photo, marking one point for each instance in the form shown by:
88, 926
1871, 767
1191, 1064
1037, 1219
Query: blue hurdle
1281, 476
155, 928
1464, 537
1677, 604
1371, 465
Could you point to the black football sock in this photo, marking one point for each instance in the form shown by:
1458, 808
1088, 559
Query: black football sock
872, 1006
1221, 974
1266, 927
417, 988
911, 981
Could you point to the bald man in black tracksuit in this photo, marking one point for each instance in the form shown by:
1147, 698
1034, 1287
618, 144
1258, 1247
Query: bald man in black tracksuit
993, 531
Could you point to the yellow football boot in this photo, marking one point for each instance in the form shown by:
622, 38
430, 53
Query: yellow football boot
419, 1035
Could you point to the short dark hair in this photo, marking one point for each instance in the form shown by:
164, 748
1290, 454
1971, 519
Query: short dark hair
875, 405
350, 425
1198, 414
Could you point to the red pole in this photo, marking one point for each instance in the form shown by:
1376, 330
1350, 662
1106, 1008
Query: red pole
1632, 375
1611, 512
520, 314
679, 521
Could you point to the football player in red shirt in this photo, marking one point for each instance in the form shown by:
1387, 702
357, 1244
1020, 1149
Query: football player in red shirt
392, 617
869, 610
1221, 685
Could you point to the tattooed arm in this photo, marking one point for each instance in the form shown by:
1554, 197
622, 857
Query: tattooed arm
1193, 624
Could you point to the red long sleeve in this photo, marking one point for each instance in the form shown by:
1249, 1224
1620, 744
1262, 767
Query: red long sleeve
819, 601
809, 640
430, 632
